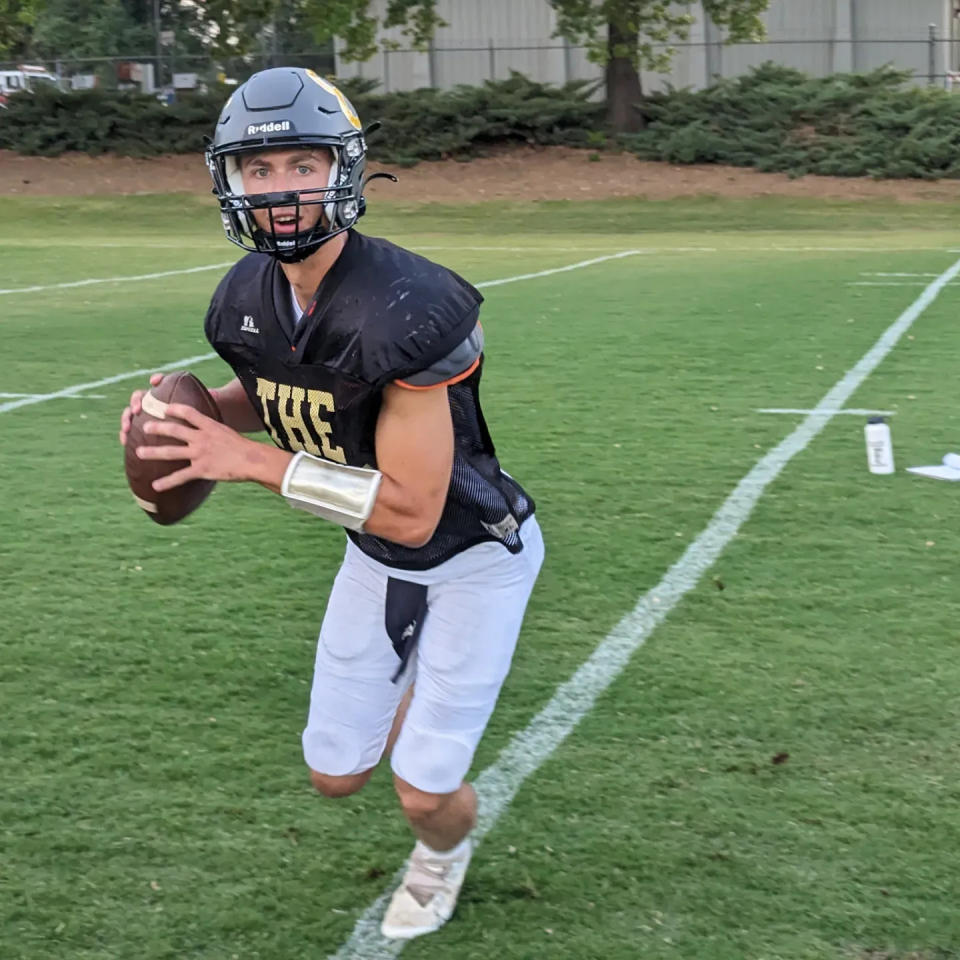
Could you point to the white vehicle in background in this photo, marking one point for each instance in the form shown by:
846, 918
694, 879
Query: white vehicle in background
24, 78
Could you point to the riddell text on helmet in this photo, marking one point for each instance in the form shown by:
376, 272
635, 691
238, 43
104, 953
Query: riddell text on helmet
274, 126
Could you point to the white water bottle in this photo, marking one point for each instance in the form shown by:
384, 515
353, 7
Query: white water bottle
879, 446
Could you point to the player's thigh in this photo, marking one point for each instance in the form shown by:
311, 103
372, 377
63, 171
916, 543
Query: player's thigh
463, 657
352, 700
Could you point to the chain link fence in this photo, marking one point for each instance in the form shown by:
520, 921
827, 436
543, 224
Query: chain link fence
933, 61
170, 73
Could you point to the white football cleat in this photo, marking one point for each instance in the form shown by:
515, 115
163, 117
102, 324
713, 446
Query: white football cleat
427, 895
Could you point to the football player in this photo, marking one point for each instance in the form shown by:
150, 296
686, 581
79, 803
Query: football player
362, 361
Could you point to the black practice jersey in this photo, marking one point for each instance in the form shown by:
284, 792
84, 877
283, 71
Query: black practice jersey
381, 314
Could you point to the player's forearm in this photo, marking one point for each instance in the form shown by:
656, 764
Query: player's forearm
354, 497
235, 408
266, 464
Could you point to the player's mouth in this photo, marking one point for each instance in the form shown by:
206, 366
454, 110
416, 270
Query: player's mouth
285, 223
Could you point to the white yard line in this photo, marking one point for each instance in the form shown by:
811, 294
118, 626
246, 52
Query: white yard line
73, 396
852, 411
498, 784
453, 247
893, 283
868, 274
141, 276
26, 400
547, 273
80, 387
212, 244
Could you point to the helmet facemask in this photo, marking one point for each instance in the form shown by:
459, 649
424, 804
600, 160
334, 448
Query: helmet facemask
341, 201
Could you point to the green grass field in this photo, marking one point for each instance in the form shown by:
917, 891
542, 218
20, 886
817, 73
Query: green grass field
153, 681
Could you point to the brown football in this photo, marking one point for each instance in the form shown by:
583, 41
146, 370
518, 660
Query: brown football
167, 506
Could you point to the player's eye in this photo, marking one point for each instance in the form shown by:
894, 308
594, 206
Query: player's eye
260, 172
304, 170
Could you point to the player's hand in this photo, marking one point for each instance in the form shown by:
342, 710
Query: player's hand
215, 451
133, 408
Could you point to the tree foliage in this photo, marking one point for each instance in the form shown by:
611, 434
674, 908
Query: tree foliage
16, 22
655, 23
351, 22
87, 28
625, 36
103, 28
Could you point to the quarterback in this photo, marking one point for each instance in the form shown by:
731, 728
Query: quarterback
362, 362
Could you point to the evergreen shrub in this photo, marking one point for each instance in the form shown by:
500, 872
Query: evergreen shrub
416, 125
778, 119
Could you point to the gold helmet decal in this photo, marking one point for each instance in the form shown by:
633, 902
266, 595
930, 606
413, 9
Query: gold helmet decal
348, 110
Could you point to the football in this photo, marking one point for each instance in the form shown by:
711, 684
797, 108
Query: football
168, 506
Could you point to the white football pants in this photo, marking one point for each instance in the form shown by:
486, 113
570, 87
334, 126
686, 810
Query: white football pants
476, 602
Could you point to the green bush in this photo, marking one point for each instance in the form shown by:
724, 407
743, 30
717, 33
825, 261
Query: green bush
416, 125
778, 119
773, 118
50, 122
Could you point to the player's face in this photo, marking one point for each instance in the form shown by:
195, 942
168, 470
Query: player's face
273, 171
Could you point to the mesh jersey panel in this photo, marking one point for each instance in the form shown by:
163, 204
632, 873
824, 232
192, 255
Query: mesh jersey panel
483, 503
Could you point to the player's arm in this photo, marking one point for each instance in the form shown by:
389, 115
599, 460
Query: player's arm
414, 441
414, 444
236, 409
401, 501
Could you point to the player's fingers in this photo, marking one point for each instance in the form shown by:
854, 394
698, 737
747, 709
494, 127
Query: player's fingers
183, 412
168, 428
174, 479
136, 399
155, 379
124, 425
163, 453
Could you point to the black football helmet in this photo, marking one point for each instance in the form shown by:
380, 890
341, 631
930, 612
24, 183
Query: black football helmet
288, 107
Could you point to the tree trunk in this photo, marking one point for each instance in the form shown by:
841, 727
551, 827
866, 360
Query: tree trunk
623, 82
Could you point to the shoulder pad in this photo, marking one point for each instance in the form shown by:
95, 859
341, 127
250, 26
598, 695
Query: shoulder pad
413, 312
460, 360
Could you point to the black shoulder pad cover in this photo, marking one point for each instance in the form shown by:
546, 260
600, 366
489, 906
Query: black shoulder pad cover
412, 313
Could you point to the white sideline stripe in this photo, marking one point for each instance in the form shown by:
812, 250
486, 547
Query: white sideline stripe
639, 250
498, 784
866, 274
547, 273
893, 283
220, 266
141, 276
78, 388
134, 241
853, 411
73, 396
766, 248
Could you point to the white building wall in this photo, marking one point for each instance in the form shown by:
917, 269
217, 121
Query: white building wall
488, 39
897, 32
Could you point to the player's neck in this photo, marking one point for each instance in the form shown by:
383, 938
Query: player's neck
308, 274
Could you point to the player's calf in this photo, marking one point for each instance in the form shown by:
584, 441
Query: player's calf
440, 820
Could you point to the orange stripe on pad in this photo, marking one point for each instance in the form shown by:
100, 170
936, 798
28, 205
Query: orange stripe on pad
445, 383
